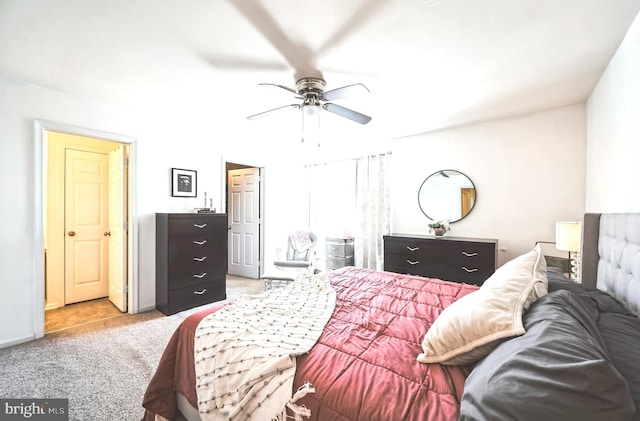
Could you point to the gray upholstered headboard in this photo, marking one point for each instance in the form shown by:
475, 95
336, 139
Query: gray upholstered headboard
611, 255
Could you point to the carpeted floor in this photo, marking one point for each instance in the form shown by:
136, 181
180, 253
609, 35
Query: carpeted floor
102, 368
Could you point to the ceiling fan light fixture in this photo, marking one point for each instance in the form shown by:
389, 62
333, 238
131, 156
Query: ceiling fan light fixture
314, 100
311, 123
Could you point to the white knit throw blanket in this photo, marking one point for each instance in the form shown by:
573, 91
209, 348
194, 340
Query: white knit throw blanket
245, 353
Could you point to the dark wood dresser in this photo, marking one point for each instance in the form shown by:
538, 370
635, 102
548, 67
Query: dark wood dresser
468, 260
191, 260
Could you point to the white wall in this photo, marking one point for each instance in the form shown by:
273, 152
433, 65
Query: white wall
20, 105
528, 172
613, 133
167, 136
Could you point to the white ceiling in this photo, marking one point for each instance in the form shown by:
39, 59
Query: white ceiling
428, 63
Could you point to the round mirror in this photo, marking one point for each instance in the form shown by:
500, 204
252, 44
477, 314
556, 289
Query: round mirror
446, 195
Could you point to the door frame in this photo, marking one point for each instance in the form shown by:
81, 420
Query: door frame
41, 127
223, 203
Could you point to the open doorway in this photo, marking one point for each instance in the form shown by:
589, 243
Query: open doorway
87, 234
244, 202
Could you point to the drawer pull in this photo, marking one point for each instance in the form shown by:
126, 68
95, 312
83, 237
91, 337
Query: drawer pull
469, 254
413, 248
413, 263
200, 225
470, 270
200, 259
200, 292
199, 242
200, 276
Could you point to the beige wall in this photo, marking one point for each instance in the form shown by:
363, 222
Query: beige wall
528, 172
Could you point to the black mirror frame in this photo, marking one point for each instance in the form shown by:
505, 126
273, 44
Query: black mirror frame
438, 172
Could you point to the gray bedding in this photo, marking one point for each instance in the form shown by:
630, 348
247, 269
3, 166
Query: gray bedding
578, 360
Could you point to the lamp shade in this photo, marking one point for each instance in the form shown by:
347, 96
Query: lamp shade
311, 124
568, 236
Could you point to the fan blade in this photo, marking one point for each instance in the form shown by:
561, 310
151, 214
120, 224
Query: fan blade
299, 57
347, 113
266, 113
343, 92
367, 10
224, 62
283, 87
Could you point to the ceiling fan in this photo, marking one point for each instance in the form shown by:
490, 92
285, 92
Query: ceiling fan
310, 83
310, 90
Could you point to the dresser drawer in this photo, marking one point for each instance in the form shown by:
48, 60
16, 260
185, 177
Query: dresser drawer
402, 247
413, 263
450, 259
473, 254
338, 262
436, 270
186, 225
197, 258
472, 262
197, 244
339, 247
185, 276
415, 257
194, 295
414, 249
465, 275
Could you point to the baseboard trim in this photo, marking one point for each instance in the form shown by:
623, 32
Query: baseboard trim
147, 308
17, 341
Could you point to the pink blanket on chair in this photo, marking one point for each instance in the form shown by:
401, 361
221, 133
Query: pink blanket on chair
300, 241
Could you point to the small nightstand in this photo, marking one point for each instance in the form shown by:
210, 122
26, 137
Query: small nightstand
339, 253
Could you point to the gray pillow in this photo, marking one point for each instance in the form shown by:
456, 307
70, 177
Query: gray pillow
559, 369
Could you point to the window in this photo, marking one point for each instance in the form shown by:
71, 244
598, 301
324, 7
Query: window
332, 202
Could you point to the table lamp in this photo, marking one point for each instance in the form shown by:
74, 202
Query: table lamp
569, 238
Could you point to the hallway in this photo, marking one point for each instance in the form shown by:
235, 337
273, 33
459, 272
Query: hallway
78, 314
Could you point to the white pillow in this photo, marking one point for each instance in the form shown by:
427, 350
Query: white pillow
471, 327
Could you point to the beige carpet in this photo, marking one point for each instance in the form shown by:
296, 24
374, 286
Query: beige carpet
103, 368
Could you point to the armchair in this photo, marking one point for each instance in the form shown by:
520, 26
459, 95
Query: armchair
301, 253
299, 259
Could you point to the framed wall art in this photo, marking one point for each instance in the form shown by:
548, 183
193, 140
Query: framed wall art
184, 183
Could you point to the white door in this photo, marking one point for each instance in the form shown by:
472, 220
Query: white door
243, 213
86, 247
117, 229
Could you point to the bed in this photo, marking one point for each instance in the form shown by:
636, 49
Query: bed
411, 348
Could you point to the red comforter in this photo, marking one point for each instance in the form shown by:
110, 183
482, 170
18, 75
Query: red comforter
363, 366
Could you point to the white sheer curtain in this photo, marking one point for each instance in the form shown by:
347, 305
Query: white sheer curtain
373, 210
349, 197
